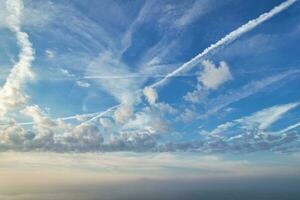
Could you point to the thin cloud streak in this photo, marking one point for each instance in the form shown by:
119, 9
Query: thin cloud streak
233, 96
289, 128
135, 76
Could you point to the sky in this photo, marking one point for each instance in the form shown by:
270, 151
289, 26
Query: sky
125, 91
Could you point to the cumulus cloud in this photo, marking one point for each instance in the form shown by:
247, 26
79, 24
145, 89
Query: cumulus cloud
135, 140
62, 137
48, 135
85, 137
212, 77
150, 94
209, 79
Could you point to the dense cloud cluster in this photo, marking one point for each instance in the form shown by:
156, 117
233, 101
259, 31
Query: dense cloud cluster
86, 138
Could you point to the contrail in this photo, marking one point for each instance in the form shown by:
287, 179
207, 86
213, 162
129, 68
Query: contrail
226, 40
289, 128
135, 76
58, 118
92, 115
101, 114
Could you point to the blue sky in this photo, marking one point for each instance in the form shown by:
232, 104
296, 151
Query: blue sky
148, 76
156, 85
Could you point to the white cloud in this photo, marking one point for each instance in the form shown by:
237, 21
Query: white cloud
187, 115
105, 122
166, 108
212, 77
260, 120
66, 73
149, 121
123, 113
141, 17
196, 10
50, 54
196, 96
83, 84
150, 94
122, 89
85, 137
11, 94
220, 102
37, 115
266, 117
291, 127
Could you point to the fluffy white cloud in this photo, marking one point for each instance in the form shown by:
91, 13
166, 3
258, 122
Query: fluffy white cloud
150, 94
212, 76
85, 137
209, 79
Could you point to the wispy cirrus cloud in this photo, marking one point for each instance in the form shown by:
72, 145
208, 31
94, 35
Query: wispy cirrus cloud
220, 102
260, 120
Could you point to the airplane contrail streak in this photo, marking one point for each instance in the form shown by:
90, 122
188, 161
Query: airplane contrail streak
226, 40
